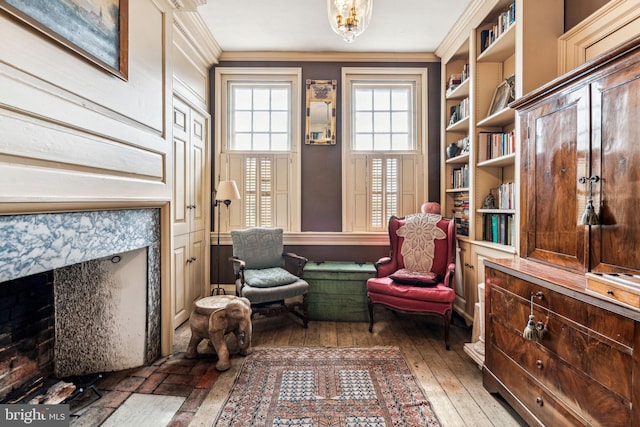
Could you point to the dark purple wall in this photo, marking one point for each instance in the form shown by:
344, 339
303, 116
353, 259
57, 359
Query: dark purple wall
321, 176
321, 164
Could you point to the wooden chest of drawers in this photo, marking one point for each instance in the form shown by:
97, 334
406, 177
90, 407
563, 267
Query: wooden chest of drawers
583, 370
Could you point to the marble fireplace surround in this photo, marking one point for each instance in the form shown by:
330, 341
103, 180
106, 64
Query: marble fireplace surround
81, 244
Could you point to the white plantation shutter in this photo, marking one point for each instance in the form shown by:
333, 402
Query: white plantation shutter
409, 188
357, 181
259, 120
282, 202
383, 145
263, 180
391, 185
379, 190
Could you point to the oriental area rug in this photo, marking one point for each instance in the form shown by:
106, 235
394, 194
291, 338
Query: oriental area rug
320, 386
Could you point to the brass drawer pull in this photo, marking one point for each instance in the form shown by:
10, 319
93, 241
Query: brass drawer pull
609, 292
539, 401
539, 364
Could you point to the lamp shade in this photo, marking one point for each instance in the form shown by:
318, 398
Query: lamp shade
349, 18
227, 190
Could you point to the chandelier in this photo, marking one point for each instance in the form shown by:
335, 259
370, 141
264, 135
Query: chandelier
349, 18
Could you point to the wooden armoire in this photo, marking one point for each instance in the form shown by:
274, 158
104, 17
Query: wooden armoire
579, 269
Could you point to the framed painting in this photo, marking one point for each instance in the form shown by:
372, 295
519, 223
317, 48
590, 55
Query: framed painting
97, 30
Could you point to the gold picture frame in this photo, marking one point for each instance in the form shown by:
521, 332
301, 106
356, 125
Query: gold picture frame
321, 112
97, 31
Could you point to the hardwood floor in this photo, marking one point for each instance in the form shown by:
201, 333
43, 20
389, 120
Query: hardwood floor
451, 380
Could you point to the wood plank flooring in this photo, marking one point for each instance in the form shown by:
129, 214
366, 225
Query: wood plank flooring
451, 379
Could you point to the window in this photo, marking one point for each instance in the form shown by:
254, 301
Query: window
383, 140
382, 117
259, 126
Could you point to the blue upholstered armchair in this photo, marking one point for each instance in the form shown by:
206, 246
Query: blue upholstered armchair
266, 275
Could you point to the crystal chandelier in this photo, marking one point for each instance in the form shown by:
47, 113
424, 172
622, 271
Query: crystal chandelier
349, 18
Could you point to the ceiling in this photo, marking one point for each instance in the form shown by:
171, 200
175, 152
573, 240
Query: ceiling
302, 25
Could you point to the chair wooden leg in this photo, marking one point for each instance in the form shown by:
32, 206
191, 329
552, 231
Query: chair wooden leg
447, 323
370, 317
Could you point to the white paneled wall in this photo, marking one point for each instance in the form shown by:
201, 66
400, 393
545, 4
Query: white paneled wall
75, 137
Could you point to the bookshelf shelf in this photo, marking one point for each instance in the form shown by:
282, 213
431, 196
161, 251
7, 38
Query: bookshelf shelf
497, 211
461, 159
502, 48
498, 119
460, 92
461, 126
506, 160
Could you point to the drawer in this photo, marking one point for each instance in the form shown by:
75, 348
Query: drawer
577, 346
590, 399
623, 289
529, 392
611, 325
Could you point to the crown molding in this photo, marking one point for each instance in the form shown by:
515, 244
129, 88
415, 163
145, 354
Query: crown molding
604, 22
187, 5
473, 15
329, 56
192, 27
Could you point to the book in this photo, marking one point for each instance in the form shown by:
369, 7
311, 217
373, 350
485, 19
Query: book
494, 227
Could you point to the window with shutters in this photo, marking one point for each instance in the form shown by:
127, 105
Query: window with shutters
258, 124
384, 137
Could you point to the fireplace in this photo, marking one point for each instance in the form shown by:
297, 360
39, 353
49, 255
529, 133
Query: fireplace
80, 294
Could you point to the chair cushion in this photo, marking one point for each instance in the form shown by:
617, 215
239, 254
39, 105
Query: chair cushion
268, 277
417, 278
258, 247
439, 293
276, 293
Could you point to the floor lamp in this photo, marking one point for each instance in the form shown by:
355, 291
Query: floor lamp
226, 192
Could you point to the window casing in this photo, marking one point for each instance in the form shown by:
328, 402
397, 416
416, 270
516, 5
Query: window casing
259, 126
383, 145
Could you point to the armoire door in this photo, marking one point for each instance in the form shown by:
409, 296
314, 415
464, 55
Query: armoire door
616, 161
555, 155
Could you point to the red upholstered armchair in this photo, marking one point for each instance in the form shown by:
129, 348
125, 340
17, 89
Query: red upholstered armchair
418, 276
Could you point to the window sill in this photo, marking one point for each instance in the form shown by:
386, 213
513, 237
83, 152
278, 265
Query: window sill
313, 238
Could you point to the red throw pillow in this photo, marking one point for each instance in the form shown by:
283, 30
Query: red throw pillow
417, 278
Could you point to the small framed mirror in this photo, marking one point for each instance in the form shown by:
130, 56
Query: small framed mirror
321, 112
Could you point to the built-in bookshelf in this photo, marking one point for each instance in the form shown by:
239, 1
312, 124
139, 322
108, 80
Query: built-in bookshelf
457, 104
505, 50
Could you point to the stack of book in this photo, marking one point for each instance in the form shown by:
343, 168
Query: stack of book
460, 111
460, 177
505, 20
461, 213
453, 82
506, 196
498, 228
456, 79
496, 144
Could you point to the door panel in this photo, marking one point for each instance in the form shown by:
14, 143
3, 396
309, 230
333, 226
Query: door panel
554, 158
616, 160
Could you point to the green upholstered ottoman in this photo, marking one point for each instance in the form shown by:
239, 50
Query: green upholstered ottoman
338, 290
